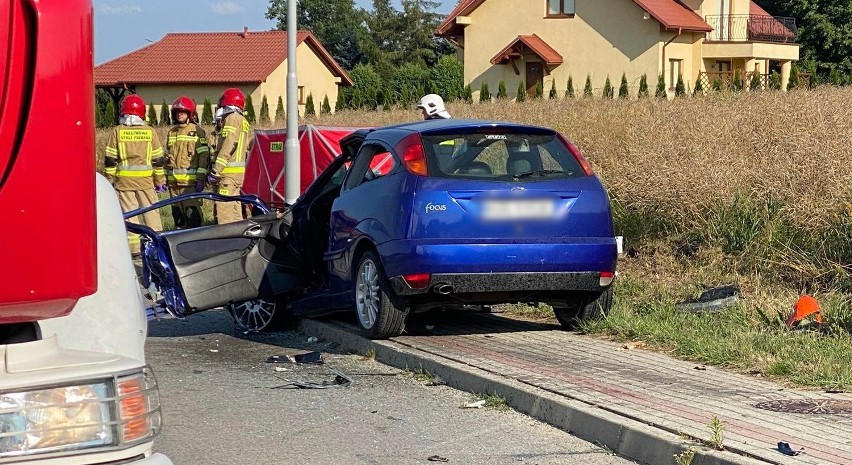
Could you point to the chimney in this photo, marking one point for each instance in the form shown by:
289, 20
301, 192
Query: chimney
245, 32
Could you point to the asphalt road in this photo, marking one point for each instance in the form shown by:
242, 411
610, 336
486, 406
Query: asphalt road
223, 404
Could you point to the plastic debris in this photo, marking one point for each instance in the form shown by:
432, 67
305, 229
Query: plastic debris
712, 300
701, 368
340, 380
477, 404
280, 369
785, 449
805, 314
430, 327
309, 358
437, 458
313, 339
214, 350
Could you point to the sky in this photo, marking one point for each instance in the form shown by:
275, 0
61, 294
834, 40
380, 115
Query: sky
122, 26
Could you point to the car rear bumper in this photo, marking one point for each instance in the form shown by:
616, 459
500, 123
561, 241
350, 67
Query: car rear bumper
573, 255
476, 283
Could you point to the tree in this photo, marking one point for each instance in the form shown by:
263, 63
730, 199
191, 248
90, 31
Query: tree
834, 77
152, 115
309, 106
501, 90
468, 94
371, 99
661, 87
738, 80
680, 87
109, 117
775, 81
569, 92
165, 117
539, 92
207, 112
607, 90
699, 87
446, 77
280, 115
419, 21
357, 99
521, 95
249, 112
587, 91
623, 92
326, 106
367, 84
336, 23
552, 95
755, 83
643, 86
484, 94
407, 79
263, 116
794, 77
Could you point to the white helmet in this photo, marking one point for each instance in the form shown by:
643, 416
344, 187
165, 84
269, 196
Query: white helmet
433, 105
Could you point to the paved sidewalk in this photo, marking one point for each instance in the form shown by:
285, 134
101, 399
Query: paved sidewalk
671, 396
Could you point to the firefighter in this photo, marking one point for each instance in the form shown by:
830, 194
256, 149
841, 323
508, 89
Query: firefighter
134, 164
188, 157
432, 107
229, 159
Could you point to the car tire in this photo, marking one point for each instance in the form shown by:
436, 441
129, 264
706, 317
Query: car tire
258, 315
381, 313
584, 307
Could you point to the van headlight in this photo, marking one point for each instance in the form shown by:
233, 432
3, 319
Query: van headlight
109, 413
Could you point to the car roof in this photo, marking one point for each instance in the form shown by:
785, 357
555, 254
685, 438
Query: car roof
455, 123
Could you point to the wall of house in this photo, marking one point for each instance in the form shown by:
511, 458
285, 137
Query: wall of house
313, 76
606, 37
685, 47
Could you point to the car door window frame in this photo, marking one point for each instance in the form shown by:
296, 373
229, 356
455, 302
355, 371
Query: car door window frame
357, 174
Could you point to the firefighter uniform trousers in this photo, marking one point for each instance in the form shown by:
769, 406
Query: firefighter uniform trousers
229, 165
188, 156
129, 158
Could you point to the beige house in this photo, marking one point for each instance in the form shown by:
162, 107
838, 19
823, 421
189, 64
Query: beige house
202, 65
539, 42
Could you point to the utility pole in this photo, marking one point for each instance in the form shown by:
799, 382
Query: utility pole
292, 162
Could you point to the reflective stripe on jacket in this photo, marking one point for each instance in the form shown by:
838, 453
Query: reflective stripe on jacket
135, 158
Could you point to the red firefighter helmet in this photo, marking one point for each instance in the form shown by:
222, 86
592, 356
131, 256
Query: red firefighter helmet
185, 104
233, 97
133, 105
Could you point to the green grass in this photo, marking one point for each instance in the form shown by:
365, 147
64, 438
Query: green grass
746, 337
493, 401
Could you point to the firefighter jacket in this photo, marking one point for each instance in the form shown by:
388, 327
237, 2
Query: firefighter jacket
232, 148
188, 154
133, 158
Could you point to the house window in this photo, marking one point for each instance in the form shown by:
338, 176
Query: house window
560, 8
301, 95
675, 70
723, 66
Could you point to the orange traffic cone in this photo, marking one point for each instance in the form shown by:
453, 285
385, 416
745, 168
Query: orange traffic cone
805, 307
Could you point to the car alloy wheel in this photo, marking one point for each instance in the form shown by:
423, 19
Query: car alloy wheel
253, 315
367, 298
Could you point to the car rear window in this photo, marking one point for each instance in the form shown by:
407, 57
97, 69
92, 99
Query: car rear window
500, 156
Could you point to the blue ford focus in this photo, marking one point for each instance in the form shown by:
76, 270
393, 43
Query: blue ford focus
438, 213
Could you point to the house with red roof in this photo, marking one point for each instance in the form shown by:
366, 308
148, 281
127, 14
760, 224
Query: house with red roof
543, 42
201, 65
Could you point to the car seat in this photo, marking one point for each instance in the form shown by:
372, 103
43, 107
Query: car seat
522, 162
475, 168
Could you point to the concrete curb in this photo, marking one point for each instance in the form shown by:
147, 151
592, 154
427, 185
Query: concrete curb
628, 437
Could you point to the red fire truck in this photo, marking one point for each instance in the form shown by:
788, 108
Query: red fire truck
74, 386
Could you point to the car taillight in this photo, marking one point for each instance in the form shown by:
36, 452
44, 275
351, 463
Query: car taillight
413, 156
417, 281
607, 278
578, 155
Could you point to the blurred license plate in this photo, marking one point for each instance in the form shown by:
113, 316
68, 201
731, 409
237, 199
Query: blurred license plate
518, 209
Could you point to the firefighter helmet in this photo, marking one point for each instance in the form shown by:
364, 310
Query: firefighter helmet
433, 107
133, 105
233, 97
184, 104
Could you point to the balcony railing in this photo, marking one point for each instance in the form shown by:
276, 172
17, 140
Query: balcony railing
751, 28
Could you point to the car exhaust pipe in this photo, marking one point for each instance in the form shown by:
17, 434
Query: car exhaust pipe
443, 288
